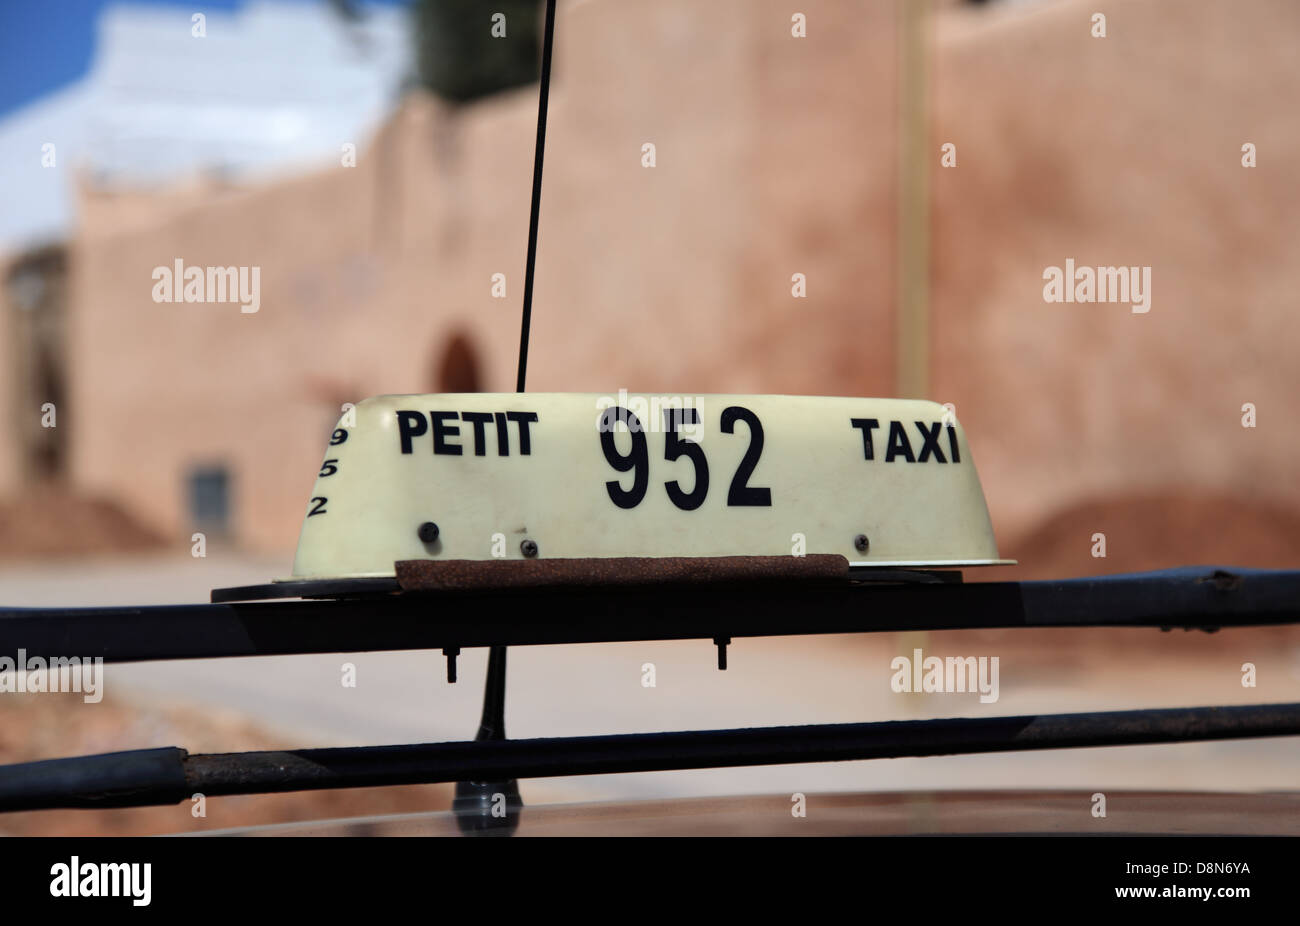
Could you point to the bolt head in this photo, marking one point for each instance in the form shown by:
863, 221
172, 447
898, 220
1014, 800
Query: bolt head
861, 543
428, 532
528, 548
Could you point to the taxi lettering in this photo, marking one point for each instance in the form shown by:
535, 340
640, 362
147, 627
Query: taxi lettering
899, 447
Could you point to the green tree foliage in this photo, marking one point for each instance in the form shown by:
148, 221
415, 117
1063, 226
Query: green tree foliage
460, 58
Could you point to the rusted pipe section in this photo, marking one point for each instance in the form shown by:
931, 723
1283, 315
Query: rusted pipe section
426, 575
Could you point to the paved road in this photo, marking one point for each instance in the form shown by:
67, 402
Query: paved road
573, 690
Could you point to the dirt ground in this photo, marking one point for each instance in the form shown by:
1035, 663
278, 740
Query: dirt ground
49, 518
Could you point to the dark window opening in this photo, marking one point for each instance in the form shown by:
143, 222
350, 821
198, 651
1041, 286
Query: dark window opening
209, 499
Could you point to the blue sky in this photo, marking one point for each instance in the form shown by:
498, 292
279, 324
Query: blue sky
46, 44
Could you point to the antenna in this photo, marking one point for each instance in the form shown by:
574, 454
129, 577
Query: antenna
542, 100
477, 802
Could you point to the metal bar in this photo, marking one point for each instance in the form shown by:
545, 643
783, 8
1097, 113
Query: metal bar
1206, 598
66, 782
119, 779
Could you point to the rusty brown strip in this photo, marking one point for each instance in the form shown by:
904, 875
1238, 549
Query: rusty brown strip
426, 575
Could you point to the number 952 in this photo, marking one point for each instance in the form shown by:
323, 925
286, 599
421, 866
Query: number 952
637, 459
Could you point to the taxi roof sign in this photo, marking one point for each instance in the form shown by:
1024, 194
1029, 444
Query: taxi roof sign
491, 476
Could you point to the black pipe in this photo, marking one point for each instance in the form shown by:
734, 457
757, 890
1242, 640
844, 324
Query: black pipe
168, 776
1205, 597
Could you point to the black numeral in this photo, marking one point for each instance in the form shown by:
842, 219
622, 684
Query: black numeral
329, 468
675, 446
340, 435
637, 459
319, 507
741, 494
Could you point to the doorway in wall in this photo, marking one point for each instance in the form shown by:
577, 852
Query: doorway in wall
456, 368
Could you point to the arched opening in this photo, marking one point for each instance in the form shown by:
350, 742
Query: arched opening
457, 367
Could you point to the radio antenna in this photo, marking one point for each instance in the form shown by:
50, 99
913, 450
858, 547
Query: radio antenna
543, 97
478, 803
